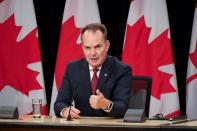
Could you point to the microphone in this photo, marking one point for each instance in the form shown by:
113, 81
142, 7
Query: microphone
69, 117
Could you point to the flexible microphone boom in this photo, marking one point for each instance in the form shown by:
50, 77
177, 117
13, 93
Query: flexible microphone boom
69, 117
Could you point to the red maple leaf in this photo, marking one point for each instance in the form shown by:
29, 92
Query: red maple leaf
68, 49
15, 57
193, 57
145, 59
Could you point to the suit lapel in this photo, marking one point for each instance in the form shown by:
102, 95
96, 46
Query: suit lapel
105, 73
85, 77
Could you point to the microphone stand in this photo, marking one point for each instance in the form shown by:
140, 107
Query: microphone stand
69, 117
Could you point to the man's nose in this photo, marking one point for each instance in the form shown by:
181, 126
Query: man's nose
93, 51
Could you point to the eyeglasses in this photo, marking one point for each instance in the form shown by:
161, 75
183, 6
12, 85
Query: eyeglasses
159, 117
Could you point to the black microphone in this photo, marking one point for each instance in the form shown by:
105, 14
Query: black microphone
69, 117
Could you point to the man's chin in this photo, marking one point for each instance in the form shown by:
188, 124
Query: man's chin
95, 65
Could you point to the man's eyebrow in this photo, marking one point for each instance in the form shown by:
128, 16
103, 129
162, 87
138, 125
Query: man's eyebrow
98, 45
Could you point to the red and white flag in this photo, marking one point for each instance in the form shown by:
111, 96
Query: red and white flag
21, 77
191, 103
147, 49
77, 14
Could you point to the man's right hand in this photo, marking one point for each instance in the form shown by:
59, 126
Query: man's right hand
74, 112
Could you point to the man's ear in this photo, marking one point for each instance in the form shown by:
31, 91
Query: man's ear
108, 44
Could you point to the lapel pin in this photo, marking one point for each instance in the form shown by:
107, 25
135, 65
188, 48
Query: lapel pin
105, 74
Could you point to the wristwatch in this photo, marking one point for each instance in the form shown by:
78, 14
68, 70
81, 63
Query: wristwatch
109, 108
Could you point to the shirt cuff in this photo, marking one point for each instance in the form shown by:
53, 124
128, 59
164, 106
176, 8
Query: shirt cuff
109, 108
61, 113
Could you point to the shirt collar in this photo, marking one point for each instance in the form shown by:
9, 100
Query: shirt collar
91, 68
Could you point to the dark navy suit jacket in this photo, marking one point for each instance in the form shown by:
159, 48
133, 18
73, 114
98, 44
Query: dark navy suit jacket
114, 82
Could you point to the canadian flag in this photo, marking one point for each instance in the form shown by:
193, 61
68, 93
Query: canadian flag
147, 49
191, 101
77, 14
21, 77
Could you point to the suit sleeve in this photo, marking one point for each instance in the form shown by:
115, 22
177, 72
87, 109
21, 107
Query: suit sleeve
121, 92
64, 97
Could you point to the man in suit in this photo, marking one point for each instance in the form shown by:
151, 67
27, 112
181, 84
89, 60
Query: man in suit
110, 77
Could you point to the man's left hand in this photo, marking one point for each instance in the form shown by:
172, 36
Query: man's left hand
98, 101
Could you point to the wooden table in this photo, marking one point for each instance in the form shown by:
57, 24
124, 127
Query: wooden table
48, 123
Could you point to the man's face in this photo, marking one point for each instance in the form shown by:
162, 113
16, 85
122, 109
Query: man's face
95, 48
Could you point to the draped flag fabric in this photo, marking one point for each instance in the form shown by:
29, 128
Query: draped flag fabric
77, 14
191, 96
147, 49
21, 76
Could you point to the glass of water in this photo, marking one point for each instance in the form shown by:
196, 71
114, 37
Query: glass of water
36, 106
